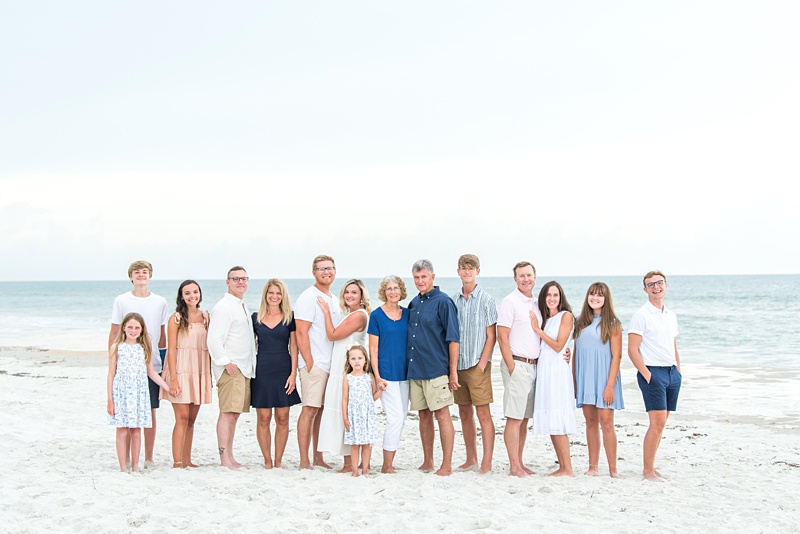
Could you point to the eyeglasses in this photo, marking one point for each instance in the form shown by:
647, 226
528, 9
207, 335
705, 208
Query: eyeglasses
325, 269
238, 279
651, 285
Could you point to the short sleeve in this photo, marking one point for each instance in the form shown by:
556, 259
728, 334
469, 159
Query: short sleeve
638, 324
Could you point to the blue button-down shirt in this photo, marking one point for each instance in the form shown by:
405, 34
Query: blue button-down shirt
432, 325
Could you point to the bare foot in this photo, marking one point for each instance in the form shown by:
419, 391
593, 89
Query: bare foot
659, 475
561, 473
468, 464
355, 473
278, 464
177, 465
232, 467
614, 474
592, 471
321, 463
528, 470
485, 469
190, 464
388, 469
444, 471
366, 474
518, 473
149, 464
346, 468
305, 465
267, 464
652, 477
426, 467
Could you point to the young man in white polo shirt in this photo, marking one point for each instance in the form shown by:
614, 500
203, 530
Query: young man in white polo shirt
653, 350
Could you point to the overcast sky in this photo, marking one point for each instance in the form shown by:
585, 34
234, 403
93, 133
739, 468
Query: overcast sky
591, 138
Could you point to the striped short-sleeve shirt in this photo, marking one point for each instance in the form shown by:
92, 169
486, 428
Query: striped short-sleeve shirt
475, 315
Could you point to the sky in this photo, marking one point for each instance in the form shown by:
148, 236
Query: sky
590, 138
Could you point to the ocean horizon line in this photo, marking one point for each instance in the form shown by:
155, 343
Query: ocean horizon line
440, 276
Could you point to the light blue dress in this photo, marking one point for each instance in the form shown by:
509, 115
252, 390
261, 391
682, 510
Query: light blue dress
361, 412
130, 391
592, 365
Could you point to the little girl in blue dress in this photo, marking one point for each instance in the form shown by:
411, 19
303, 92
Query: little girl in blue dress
359, 393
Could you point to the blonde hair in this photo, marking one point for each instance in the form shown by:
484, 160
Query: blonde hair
140, 264
143, 340
349, 368
322, 257
285, 305
364, 295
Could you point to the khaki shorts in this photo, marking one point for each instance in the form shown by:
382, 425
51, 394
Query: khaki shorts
312, 386
234, 393
476, 386
519, 388
430, 394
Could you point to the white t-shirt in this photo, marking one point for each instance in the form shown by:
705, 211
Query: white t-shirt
153, 308
306, 308
658, 330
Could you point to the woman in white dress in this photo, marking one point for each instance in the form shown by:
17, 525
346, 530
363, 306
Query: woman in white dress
554, 400
354, 301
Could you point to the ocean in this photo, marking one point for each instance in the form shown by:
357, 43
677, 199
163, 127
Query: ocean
720, 323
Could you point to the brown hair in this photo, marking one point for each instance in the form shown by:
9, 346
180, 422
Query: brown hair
652, 274
524, 264
469, 260
143, 340
609, 322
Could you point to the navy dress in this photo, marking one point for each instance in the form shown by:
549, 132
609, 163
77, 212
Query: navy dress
273, 366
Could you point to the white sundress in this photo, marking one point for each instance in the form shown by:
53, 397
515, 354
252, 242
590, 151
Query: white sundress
130, 391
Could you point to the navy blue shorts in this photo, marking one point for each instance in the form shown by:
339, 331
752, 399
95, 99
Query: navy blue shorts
154, 389
662, 391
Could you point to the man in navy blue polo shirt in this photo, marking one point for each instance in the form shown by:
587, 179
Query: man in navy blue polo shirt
433, 337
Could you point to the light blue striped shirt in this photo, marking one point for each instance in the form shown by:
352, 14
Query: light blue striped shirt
475, 315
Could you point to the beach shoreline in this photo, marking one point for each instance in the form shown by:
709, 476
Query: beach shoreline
730, 465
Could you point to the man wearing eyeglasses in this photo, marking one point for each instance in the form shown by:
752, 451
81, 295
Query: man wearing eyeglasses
653, 350
233, 360
316, 351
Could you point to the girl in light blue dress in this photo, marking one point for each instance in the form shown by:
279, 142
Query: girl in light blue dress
598, 353
359, 393
129, 365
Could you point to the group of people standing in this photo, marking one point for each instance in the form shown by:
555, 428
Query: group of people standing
435, 353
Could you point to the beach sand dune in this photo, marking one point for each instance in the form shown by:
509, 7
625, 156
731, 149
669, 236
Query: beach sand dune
731, 455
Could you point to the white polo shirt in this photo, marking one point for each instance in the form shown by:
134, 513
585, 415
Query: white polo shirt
514, 313
658, 329
306, 308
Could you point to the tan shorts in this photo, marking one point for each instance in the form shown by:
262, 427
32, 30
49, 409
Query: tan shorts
430, 394
519, 388
234, 393
312, 386
476, 386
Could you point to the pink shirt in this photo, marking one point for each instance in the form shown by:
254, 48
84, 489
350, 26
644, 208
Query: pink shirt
514, 313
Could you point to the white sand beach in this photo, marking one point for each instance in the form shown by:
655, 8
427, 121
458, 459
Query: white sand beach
731, 455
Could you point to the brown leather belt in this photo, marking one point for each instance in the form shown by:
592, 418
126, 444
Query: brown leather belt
526, 360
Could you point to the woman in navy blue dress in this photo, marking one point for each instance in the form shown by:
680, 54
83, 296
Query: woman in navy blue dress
273, 387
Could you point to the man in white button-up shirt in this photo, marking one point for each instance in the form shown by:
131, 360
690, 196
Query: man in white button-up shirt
653, 349
232, 348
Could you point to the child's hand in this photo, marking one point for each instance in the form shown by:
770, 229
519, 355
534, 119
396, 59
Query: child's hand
346, 424
110, 407
175, 391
